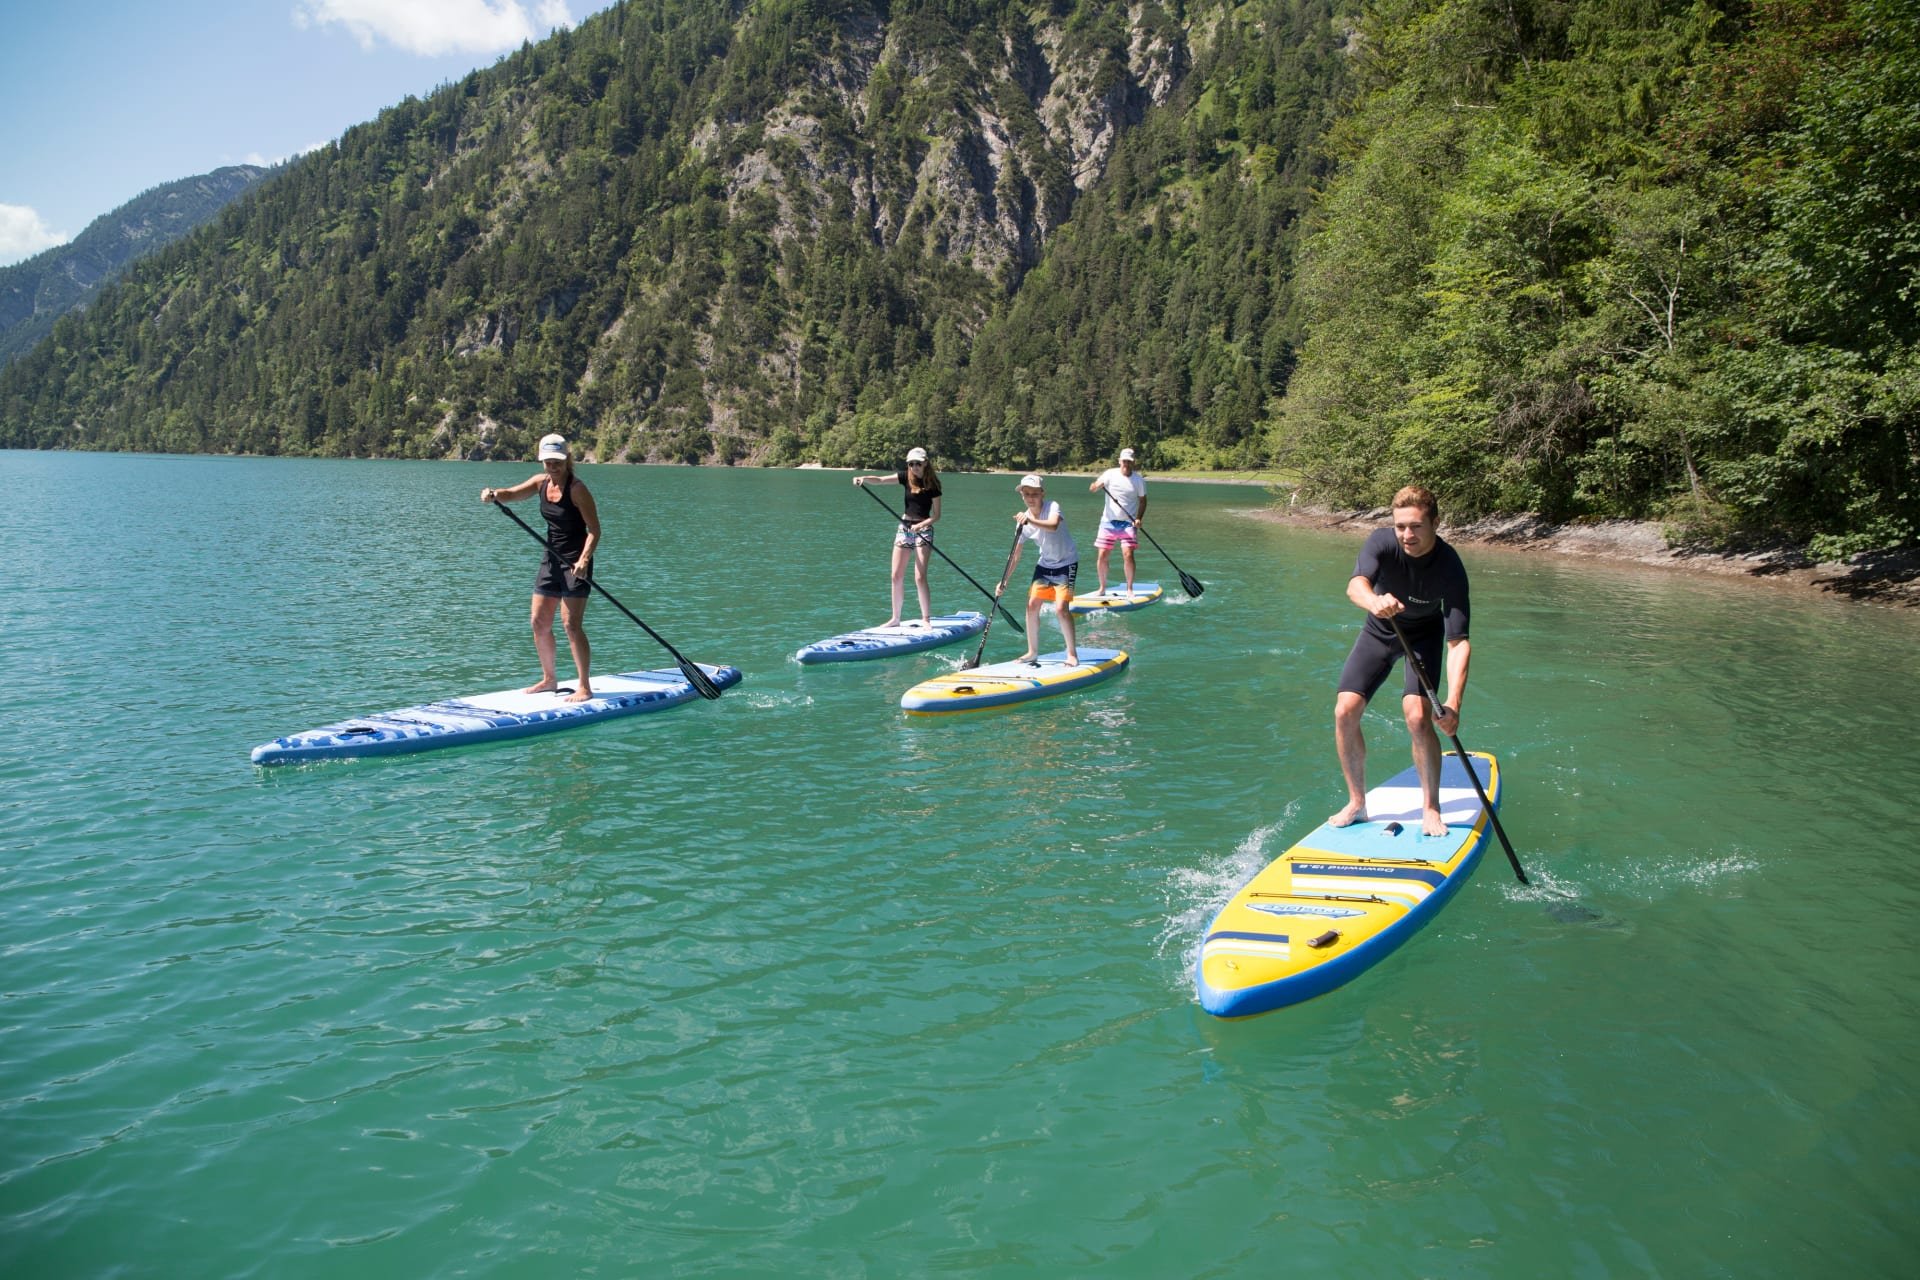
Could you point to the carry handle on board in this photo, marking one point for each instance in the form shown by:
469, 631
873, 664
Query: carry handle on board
702, 685
1461, 751
1013, 621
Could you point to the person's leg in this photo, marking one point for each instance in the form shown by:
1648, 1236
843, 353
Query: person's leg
1064, 601
1033, 624
573, 616
1426, 759
1126, 556
543, 643
922, 554
1105, 549
900, 554
1351, 744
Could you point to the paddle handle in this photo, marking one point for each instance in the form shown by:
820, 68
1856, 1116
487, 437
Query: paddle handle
1473, 775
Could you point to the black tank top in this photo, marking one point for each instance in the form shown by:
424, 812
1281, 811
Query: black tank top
566, 527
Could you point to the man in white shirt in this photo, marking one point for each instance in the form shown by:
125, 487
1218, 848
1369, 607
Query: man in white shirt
1120, 516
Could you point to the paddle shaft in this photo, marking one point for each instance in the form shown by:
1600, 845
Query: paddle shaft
1013, 553
949, 559
701, 682
1188, 583
1472, 776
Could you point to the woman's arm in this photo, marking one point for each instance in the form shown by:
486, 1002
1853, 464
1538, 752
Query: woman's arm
524, 489
590, 515
864, 480
932, 515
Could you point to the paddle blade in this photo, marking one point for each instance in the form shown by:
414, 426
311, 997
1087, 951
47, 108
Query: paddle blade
1190, 584
703, 686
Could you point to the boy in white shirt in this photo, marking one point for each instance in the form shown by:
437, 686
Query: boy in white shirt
1043, 524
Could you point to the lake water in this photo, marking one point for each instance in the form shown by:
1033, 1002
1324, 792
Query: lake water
787, 984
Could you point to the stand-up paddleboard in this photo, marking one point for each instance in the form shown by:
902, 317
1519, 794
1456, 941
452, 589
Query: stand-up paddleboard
1344, 898
884, 642
1000, 683
485, 717
1117, 599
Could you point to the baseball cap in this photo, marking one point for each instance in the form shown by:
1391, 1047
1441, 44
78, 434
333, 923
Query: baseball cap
1031, 482
1126, 455
916, 454
553, 446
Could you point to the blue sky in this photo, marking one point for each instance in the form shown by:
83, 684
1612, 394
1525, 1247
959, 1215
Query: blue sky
102, 99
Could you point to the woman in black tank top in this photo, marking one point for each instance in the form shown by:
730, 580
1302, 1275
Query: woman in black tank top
565, 575
914, 538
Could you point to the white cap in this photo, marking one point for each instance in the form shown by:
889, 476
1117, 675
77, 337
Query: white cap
1031, 482
916, 454
554, 446
1126, 455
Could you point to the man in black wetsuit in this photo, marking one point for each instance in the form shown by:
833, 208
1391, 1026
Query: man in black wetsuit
1408, 574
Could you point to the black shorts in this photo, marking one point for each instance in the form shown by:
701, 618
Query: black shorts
1372, 659
554, 581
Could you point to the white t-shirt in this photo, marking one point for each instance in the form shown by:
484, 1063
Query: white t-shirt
1057, 548
1124, 494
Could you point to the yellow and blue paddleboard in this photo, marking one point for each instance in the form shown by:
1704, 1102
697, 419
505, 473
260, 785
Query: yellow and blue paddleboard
1117, 599
999, 684
1344, 898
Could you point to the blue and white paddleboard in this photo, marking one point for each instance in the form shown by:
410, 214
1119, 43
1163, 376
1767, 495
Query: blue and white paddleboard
884, 642
485, 717
1117, 599
1000, 683
1345, 898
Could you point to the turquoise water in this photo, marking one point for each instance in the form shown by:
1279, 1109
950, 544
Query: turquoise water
786, 984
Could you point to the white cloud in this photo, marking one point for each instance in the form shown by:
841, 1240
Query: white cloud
434, 27
22, 234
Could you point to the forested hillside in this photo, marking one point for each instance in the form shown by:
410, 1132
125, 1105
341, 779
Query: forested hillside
1579, 257
37, 292
1624, 257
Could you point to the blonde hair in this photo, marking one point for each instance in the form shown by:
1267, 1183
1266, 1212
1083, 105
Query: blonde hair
1416, 495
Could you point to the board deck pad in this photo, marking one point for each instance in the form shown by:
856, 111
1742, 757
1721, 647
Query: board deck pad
1116, 598
885, 642
487, 717
1368, 886
1000, 684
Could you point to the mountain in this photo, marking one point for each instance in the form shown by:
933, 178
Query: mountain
38, 291
1585, 258
704, 230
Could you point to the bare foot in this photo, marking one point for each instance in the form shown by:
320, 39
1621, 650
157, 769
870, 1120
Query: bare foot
1028, 657
1073, 659
545, 686
1356, 811
1432, 824
582, 694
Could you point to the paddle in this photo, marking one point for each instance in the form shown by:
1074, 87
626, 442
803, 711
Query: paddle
1188, 583
1461, 751
1015, 622
702, 685
1012, 552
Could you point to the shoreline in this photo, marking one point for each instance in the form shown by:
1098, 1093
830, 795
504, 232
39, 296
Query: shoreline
1888, 578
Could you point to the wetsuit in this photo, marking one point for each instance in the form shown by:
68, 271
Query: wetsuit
567, 532
1434, 589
